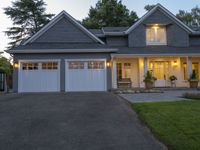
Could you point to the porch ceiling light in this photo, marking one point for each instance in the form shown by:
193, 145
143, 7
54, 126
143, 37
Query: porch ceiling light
175, 63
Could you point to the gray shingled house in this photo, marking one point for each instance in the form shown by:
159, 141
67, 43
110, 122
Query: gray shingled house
65, 56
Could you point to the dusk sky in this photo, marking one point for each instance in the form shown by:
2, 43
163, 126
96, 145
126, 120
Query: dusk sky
79, 10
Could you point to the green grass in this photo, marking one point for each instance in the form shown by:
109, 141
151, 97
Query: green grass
177, 124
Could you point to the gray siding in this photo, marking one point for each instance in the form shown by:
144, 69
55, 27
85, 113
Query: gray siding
117, 41
62, 65
64, 31
137, 38
176, 36
195, 41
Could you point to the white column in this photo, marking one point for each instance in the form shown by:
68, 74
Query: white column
189, 66
114, 75
145, 65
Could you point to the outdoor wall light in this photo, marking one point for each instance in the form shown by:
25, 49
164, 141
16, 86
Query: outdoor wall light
175, 63
16, 65
108, 64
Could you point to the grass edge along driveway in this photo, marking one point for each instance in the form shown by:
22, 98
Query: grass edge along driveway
176, 124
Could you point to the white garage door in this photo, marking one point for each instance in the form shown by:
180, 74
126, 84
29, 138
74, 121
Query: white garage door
85, 75
39, 76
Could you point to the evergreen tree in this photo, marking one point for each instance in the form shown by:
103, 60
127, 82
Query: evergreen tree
28, 17
149, 7
110, 13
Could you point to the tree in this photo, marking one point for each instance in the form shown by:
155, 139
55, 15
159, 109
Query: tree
191, 18
196, 15
6, 66
28, 17
149, 7
110, 13
185, 17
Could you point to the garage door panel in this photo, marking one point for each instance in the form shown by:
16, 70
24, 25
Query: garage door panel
39, 79
84, 78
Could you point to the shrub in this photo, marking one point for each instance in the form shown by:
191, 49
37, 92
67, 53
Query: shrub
172, 78
195, 96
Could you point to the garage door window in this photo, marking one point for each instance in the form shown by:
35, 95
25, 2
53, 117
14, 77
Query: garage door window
96, 65
76, 65
29, 66
50, 66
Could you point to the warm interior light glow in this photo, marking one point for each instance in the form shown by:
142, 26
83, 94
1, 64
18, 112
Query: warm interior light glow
108, 64
16, 65
175, 63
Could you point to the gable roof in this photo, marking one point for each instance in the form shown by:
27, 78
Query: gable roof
54, 21
165, 11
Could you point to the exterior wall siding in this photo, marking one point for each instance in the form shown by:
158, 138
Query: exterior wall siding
64, 31
176, 36
137, 38
62, 57
195, 41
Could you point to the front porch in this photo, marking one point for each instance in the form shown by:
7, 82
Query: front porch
135, 68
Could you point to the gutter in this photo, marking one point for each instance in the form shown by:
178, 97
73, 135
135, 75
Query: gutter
154, 55
20, 51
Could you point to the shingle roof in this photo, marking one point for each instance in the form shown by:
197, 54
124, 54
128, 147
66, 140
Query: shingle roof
114, 29
96, 31
159, 50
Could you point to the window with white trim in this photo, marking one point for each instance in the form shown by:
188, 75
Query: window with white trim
76, 65
156, 35
29, 66
96, 65
49, 66
127, 70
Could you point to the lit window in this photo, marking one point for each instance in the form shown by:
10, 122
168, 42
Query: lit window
76, 65
195, 67
156, 35
127, 70
29, 66
50, 66
96, 65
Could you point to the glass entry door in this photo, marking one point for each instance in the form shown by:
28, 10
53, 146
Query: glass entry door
160, 70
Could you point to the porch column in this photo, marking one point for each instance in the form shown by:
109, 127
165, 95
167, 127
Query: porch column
114, 75
189, 66
145, 65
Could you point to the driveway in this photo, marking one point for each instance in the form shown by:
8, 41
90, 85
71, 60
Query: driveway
71, 121
166, 96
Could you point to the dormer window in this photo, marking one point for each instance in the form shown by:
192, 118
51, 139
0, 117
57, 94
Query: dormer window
156, 35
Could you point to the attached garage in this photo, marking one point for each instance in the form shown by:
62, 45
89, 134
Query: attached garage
85, 75
39, 76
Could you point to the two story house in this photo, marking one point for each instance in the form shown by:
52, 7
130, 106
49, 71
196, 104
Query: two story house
65, 56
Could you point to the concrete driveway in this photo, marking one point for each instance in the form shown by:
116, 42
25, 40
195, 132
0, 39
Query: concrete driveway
71, 121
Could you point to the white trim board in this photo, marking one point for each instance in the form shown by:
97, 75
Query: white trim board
54, 21
63, 50
38, 60
152, 55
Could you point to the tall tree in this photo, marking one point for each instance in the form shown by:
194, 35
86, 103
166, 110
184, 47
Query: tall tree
28, 17
149, 7
111, 13
191, 18
185, 17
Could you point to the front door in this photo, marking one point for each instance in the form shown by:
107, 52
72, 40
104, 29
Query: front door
160, 70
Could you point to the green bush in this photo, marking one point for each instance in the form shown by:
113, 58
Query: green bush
195, 96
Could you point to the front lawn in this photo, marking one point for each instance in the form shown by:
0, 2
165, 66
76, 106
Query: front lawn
177, 124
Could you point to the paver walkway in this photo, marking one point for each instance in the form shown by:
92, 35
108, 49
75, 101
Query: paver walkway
157, 97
